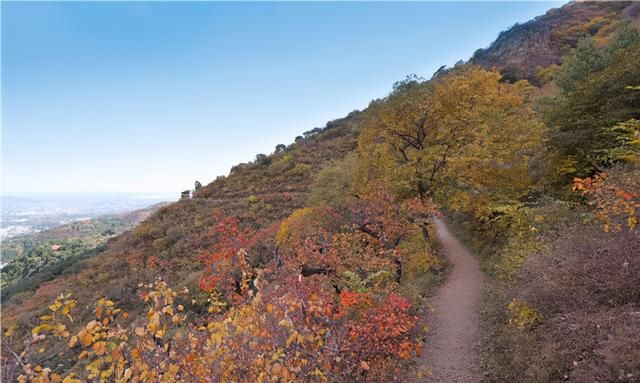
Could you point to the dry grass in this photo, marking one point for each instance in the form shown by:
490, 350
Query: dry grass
587, 288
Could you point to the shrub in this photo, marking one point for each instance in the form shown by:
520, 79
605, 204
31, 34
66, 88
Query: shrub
522, 315
334, 184
300, 170
585, 286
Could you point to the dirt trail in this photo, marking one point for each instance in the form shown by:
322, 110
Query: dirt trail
451, 346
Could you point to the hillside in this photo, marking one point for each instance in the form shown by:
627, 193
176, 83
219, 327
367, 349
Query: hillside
525, 49
259, 193
107, 224
313, 263
35, 258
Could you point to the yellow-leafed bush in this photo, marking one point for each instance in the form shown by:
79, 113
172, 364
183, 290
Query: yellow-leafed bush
523, 316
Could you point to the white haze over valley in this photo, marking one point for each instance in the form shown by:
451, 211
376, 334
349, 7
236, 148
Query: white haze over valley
30, 213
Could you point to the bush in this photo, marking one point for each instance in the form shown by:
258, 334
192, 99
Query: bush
575, 302
300, 170
333, 185
522, 315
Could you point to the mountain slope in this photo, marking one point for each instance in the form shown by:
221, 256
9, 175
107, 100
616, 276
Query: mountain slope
253, 243
524, 49
39, 257
167, 243
271, 187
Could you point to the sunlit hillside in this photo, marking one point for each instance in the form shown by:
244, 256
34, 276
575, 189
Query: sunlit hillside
478, 225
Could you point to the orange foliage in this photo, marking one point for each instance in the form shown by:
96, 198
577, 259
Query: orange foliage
278, 309
612, 202
276, 337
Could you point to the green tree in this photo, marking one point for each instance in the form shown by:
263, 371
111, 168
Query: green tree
593, 119
583, 61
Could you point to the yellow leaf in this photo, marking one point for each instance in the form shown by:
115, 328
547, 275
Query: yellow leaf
91, 325
292, 338
99, 348
10, 330
42, 327
168, 310
86, 339
216, 338
71, 379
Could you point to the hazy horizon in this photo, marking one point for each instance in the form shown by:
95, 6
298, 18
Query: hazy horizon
149, 97
33, 212
55, 194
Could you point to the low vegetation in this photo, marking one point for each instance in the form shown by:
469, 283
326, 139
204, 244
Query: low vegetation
311, 264
35, 258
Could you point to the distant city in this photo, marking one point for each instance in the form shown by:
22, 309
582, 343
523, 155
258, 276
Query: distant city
26, 214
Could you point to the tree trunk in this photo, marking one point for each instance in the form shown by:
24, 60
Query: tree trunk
424, 228
309, 270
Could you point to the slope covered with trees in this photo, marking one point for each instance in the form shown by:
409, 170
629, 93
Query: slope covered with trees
311, 264
526, 50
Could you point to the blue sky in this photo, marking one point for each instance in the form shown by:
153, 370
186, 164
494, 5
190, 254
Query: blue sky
149, 97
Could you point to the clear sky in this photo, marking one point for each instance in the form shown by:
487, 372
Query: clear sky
149, 97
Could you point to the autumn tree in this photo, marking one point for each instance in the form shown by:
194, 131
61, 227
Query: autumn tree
227, 267
465, 139
615, 196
